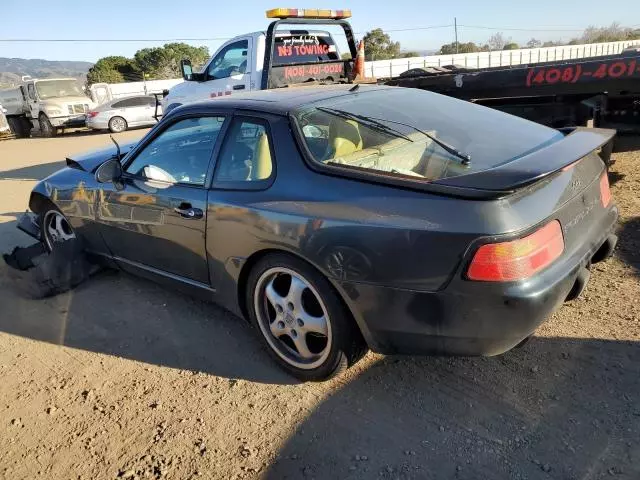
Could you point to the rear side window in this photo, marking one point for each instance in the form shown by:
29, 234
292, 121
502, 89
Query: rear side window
246, 153
140, 101
304, 47
128, 102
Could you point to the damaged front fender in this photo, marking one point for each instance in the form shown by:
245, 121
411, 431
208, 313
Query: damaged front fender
29, 224
37, 273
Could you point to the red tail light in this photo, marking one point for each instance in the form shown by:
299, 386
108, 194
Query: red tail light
518, 259
92, 114
605, 193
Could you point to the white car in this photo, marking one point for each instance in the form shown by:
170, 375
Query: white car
122, 113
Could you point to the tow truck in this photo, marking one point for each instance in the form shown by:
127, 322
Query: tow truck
598, 91
271, 59
601, 91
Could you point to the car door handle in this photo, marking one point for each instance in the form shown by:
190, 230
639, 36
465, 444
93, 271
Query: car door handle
238, 87
189, 212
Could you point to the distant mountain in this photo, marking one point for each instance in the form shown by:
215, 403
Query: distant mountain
11, 69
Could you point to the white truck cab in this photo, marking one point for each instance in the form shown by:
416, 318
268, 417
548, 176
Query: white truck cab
50, 104
269, 59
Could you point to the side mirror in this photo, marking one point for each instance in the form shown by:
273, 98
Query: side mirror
110, 171
187, 70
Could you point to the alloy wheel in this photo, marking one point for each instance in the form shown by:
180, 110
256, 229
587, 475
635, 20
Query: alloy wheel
293, 318
56, 229
118, 124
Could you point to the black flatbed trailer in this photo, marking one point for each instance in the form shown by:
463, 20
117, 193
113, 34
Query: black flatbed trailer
603, 91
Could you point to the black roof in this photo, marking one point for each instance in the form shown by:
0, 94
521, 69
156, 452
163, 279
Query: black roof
280, 101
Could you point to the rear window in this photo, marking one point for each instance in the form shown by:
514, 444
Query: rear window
304, 47
415, 134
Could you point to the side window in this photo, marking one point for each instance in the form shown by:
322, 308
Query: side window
232, 60
31, 91
127, 102
181, 153
140, 101
246, 153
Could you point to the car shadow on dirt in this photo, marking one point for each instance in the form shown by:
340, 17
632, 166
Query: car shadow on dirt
629, 245
117, 314
34, 172
563, 408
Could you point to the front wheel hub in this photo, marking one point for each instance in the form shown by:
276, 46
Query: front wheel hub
56, 229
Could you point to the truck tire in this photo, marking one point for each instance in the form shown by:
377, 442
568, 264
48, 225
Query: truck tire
20, 126
46, 129
26, 127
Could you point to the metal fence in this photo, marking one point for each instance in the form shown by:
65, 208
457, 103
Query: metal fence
503, 58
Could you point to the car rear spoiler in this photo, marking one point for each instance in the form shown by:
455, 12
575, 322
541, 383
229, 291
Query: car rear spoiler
530, 168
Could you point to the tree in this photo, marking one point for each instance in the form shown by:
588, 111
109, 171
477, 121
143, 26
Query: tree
409, 54
113, 69
154, 63
511, 46
534, 43
497, 41
450, 48
613, 33
379, 46
164, 62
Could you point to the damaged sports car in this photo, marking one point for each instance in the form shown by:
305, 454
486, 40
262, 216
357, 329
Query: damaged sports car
341, 219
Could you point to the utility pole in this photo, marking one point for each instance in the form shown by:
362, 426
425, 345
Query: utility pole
455, 25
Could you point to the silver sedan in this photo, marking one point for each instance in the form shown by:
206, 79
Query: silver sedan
123, 113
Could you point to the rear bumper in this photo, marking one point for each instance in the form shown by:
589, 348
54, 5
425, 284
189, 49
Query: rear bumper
474, 318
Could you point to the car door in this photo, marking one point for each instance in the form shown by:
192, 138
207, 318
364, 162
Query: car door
34, 106
122, 108
154, 220
136, 110
229, 71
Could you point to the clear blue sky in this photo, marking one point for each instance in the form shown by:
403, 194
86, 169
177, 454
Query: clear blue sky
163, 19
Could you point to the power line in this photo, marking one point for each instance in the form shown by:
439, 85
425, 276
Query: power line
410, 29
524, 29
115, 40
208, 39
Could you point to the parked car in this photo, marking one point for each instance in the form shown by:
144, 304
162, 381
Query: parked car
122, 113
343, 218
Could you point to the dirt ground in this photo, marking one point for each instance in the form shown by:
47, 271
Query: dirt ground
121, 378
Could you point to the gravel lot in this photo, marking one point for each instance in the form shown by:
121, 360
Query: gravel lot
121, 378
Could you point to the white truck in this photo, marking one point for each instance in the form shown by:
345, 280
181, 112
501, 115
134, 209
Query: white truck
5, 131
275, 58
104, 92
49, 104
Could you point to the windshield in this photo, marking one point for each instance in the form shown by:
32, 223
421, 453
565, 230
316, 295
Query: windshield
414, 133
58, 88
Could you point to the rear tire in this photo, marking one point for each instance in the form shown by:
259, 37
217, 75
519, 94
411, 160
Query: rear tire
117, 125
46, 129
20, 126
316, 338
